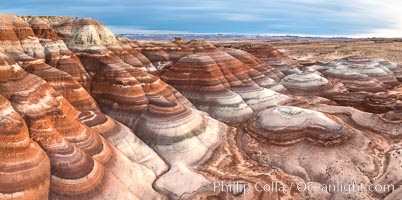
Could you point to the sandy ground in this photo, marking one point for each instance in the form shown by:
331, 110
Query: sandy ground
327, 50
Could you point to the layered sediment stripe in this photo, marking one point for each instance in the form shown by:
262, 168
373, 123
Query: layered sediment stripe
311, 82
360, 74
56, 52
383, 102
287, 125
200, 79
370, 67
130, 95
65, 84
264, 75
68, 144
384, 124
25, 167
270, 56
221, 85
9, 40
395, 68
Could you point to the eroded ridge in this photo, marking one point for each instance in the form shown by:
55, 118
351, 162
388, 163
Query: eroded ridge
223, 86
286, 124
88, 115
20, 155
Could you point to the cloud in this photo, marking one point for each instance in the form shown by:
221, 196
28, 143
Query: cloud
13, 10
356, 18
205, 5
241, 17
388, 12
141, 30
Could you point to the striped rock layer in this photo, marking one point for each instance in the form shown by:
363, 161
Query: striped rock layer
286, 124
224, 86
327, 144
87, 115
122, 88
370, 75
25, 168
56, 52
365, 79
268, 55
82, 162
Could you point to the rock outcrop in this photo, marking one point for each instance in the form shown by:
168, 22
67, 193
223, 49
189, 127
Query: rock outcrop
285, 124
52, 123
56, 52
268, 55
261, 73
25, 168
223, 86
311, 82
323, 147
361, 74
73, 91
87, 115
156, 112
363, 78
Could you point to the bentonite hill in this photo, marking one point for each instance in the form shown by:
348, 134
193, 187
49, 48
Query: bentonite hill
88, 115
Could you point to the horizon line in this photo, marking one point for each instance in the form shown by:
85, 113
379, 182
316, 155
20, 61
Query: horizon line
358, 36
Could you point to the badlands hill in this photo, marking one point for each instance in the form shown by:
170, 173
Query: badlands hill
87, 115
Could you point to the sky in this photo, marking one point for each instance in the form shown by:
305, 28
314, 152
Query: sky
349, 18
